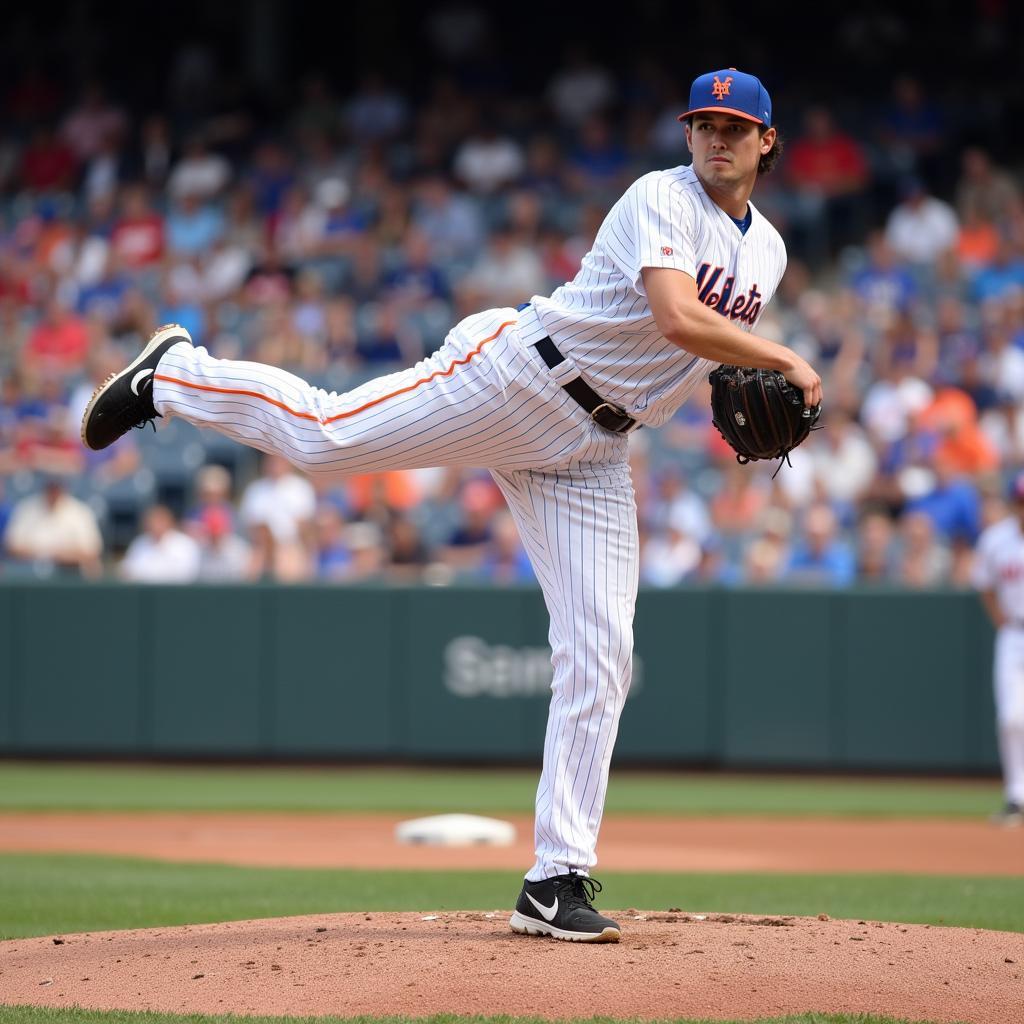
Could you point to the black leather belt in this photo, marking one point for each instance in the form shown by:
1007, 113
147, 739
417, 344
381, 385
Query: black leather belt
603, 413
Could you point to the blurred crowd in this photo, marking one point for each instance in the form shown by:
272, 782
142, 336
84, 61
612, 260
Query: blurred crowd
342, 240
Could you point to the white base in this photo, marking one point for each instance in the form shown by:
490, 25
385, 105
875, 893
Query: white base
456, 830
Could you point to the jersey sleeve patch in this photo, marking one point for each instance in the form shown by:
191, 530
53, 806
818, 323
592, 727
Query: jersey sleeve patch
652, 227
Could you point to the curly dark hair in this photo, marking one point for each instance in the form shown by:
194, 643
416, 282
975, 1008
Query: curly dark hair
767, 163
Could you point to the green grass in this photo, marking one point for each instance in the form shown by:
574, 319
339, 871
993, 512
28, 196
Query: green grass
30, 787
50, 895
47, 1015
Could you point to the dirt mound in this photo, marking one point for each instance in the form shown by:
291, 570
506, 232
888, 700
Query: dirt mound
668, 964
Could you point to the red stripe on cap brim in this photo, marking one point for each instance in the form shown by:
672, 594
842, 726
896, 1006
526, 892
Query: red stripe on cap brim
721, 110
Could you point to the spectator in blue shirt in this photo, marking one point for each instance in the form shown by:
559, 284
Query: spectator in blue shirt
272, 176
953, 506
599, 161
913, 127
182, 306
1004, 276
452, 222
417, 278
958, 342
102, 299
333, 555
505, 560
5, 510
884, 283
820, 557
192, 227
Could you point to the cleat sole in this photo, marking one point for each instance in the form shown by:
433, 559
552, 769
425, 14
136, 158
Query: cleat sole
531, 926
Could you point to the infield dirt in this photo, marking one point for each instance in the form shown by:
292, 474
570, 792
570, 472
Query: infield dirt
634, 843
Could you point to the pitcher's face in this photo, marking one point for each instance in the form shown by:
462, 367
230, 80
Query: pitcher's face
726, 149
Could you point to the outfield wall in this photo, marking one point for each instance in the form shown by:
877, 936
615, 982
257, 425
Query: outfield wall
876, 679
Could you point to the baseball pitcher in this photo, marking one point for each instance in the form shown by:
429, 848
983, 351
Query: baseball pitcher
545, 396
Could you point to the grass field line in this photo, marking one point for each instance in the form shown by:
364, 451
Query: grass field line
37, 786
63, 894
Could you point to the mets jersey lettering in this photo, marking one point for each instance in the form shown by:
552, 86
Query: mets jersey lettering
745, 307
601, 319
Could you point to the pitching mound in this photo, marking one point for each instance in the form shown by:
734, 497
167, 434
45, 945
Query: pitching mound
668, 964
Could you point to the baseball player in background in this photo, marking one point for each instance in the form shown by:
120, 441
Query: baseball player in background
545, 396
999, 576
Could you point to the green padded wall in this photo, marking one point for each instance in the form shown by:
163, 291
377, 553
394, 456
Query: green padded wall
881, 679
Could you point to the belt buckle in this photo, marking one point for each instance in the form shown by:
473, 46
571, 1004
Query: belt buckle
619, 418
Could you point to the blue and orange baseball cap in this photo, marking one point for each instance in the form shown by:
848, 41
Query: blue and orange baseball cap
730, 92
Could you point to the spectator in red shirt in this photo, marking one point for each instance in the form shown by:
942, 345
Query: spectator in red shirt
830, 173
49, 445
138, 236
60, 341
825, 160
14, 283
47, 164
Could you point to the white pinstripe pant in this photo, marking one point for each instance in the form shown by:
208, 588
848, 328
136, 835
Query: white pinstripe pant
1009, 697
483, 399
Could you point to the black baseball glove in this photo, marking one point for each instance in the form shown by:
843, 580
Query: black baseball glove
759, 412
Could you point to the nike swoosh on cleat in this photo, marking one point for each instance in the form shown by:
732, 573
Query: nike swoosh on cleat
548, 913
137, 380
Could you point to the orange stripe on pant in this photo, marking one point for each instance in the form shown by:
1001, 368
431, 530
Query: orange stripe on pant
341, 415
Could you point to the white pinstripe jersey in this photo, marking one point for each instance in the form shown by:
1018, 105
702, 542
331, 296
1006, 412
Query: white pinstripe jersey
601, 320
999, 565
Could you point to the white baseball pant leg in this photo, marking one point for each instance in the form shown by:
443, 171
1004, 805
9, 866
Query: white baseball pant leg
483, 399
1008, 676
580, 530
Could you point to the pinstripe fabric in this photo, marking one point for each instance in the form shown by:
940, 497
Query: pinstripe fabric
579, 527
601, 321
483, 399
